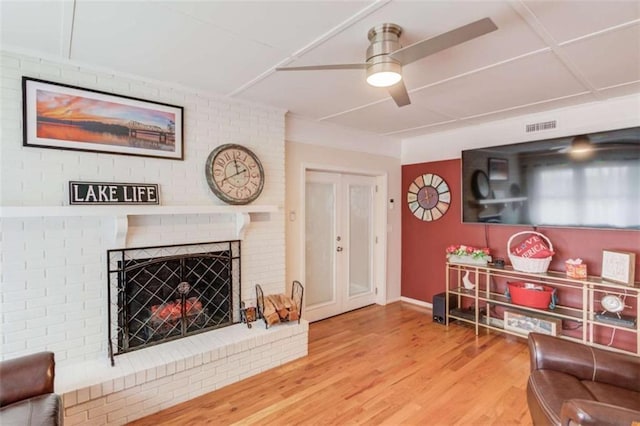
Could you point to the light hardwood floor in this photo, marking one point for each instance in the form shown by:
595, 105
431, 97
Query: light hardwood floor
378, 365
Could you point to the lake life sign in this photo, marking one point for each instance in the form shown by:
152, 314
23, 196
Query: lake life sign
112, 193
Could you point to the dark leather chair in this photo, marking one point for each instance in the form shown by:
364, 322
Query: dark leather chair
26, 391
575, 384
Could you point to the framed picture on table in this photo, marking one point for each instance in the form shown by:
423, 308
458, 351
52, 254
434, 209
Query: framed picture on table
618, 266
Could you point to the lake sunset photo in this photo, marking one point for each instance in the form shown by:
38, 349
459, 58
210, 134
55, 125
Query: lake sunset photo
72, 118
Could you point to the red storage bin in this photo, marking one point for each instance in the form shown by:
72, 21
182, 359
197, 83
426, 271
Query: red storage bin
532, 295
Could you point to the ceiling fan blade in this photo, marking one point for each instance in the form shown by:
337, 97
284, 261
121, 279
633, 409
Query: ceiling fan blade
432, 45
399, 94
325, 67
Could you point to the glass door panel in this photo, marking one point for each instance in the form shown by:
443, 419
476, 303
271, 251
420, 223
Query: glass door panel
320, 247
360, 239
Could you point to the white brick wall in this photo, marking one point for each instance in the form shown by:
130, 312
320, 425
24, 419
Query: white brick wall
53, 269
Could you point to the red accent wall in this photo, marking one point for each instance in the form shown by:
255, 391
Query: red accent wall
424, 243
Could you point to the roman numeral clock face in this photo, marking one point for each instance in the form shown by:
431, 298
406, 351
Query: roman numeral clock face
428, 197
234, 174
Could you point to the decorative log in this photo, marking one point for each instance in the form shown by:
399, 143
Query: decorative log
279, 307
270, 313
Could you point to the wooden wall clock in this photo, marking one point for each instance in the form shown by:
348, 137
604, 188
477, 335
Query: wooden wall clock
429, 197
234, 174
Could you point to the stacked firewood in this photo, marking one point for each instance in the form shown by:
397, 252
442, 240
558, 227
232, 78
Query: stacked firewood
280, 307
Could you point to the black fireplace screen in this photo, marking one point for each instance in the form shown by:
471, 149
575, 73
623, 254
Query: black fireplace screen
157, 294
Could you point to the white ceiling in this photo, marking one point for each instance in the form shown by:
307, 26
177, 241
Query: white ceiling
544, 55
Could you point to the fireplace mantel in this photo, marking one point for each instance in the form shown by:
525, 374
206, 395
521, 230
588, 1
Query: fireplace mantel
121, 214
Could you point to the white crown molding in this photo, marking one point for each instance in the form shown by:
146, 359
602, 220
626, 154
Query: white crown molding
303, 130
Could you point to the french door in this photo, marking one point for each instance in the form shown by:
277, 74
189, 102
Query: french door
339, 243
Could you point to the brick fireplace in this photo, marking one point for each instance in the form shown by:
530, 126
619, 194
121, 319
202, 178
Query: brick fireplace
144, 381
54, 256
147, 378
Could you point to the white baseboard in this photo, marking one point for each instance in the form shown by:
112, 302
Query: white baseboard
416, 302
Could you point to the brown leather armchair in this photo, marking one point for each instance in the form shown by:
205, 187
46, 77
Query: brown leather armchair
26, 391
575, 384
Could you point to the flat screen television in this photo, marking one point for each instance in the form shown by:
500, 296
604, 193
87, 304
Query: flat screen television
587, 181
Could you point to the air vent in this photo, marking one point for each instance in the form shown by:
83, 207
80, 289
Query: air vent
545, 125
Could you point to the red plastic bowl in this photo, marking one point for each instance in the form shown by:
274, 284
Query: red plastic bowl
538, 297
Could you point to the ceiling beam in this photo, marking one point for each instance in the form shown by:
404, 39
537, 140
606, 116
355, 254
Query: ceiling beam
67, 18
313, 44
534, 23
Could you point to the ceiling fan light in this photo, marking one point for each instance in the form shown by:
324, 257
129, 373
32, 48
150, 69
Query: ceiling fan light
384, 74
384, 79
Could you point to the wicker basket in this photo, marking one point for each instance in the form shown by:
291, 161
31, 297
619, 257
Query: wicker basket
528, 264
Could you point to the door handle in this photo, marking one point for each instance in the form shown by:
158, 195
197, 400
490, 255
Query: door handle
339, 249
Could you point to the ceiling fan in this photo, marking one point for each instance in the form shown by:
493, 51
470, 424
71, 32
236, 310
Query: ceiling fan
385, 56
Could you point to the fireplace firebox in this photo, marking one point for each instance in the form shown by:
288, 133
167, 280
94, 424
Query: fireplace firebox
158, 294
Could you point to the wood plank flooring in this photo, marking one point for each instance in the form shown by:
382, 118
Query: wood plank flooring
386, 365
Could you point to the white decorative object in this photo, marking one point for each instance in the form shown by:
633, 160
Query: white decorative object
466, 282
612, 303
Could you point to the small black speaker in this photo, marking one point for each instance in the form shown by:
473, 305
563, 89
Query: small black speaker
440, 308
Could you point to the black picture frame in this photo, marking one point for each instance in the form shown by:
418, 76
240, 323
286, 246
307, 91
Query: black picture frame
498, 169
62, 116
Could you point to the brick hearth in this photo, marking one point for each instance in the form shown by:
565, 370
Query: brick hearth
152, 379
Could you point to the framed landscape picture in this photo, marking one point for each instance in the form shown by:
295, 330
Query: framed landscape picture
60, 116
522, 323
